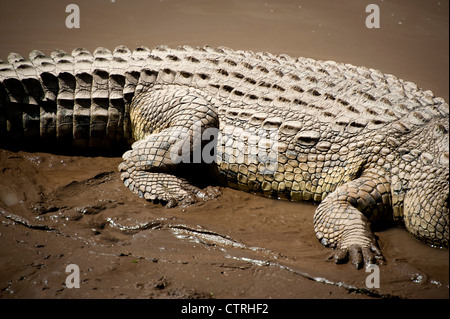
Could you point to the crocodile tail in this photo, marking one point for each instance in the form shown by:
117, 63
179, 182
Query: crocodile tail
79, 100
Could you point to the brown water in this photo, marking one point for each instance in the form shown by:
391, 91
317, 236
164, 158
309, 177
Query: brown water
58, 210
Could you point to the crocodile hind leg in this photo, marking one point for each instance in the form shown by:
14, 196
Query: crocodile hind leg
149, 169
343, 219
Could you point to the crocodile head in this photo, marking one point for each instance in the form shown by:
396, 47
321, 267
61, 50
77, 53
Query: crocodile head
426, 204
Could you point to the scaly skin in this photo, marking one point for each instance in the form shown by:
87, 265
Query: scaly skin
370, 147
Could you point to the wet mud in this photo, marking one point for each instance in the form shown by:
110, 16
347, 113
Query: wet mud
57, 210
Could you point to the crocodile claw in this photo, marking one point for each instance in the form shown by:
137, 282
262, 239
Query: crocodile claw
359, 256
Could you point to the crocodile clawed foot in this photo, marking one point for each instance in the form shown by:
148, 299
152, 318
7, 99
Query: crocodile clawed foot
359, 255
188, 200
198, 195
166, 188
208, 193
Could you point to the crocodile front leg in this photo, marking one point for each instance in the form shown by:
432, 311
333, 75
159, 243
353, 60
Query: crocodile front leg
343, 219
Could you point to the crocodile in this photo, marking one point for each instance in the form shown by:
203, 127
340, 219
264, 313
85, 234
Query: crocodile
371, 149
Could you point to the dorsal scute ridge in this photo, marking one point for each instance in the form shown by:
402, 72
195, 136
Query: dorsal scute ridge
241, 76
